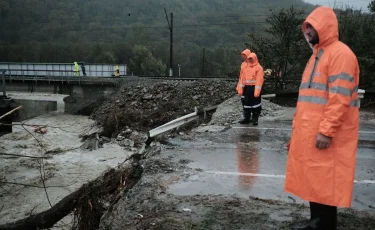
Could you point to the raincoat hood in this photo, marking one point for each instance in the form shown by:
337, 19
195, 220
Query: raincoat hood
324, 21
247, 52
255, 58
75, 63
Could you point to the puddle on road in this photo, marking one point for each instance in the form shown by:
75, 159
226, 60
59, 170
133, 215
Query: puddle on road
228, 160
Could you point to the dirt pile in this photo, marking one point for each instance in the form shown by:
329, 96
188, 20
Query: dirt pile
230, 111
146, 104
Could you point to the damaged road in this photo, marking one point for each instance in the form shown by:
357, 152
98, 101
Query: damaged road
220, 175
232, 177
173, 194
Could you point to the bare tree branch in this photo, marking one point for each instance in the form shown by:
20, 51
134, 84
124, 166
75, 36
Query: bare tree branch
35, 186
19, 155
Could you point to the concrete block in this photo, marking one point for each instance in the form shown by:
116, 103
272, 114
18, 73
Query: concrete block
34, 108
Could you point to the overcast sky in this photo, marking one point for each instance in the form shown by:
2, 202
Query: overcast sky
355, 3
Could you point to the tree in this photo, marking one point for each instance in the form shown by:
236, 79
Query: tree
282, 45
357, 30
143, 62
4, 7
371, 6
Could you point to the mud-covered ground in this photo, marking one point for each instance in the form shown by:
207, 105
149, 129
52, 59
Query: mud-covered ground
150, 206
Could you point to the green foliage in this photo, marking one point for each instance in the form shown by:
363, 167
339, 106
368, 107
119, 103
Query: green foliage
143, 62
371, 6
282, 46
358, 32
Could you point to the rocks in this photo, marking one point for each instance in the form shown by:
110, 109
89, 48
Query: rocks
94, 141
126, 143
148, 103
147, 97
106, 139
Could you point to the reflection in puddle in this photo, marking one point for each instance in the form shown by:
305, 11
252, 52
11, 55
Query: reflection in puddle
247, 154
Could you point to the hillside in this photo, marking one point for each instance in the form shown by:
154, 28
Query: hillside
106, 31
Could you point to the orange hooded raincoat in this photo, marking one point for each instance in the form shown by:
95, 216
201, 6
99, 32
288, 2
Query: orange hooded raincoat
327, 104
239, 87
253, 75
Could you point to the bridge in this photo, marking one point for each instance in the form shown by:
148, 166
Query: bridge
85, 93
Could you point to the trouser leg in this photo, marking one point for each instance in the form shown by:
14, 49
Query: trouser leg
327, 215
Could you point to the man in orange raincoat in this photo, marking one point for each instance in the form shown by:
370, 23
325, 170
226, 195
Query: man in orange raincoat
252, 82
322, 150
244, 56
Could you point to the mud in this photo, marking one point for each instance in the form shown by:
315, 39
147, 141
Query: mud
150, 206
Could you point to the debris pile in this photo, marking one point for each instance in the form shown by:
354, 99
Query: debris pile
230, 111
144, 105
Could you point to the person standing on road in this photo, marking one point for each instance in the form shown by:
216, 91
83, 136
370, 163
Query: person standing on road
252, 80
322, 150
244, 55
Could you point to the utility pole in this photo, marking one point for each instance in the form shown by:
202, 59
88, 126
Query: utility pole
171, 43
203, 62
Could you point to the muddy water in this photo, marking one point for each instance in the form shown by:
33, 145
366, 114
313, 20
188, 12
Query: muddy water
251, 162
66, 167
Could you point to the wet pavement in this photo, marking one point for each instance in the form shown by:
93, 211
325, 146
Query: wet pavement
248, 161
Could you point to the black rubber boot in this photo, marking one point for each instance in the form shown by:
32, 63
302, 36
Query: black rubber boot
323, 217
247, 117
312, 225
255, 119
245, 121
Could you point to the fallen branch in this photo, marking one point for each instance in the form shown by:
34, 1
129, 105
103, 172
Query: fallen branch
18, 155
86, 202
34, 186
45, 126
10, 112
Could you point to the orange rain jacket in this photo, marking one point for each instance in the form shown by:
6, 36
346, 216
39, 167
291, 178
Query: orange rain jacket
327, 104
239, 87
253, 75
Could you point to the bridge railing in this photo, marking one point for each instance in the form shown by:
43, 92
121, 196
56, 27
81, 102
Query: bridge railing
53, 74
16, 69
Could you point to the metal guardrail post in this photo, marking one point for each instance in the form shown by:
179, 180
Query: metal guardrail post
361, 94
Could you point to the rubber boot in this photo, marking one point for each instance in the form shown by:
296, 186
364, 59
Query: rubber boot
247, 117
245, 121
323, 217
312, 225
255, 119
